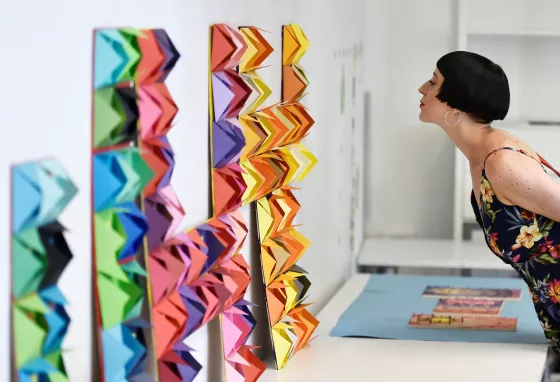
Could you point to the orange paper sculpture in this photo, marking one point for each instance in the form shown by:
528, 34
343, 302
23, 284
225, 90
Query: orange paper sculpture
280, 159
235, 88
295, 44
256, 154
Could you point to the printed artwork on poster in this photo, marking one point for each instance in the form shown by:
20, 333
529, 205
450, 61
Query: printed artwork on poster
469, 306
487, 293
433, 321
354, 63
356, 157
342, 89
355, 183
354, 89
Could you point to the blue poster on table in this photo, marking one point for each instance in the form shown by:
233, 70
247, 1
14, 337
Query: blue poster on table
387, 303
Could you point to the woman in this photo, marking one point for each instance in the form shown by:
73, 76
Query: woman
516, 202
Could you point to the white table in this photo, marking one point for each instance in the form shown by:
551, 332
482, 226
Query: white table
355, 359
423, 253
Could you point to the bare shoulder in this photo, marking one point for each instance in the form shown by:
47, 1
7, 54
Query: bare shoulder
519, 179
507, 163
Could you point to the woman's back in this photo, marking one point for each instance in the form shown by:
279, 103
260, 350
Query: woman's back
529, 242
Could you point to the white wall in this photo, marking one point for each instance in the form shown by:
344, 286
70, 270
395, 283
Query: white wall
375, 51
46, 100
410, 184
410, 165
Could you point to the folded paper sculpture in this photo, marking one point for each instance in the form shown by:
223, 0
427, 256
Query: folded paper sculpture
254, 150
291, 324
236, 88
294, 46
256, 153
197, 276
40, 192
134, 206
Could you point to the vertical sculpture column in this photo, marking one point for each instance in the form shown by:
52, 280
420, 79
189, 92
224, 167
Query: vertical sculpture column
256, 154
199, 275
281, 244
236, 90
228, 95
40, 191
132, 164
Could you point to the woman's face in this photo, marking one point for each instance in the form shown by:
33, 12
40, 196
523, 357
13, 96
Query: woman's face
432, 110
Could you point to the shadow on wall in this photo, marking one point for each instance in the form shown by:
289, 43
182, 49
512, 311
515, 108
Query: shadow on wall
261, 335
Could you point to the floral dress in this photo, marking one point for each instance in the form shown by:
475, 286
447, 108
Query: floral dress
530, 243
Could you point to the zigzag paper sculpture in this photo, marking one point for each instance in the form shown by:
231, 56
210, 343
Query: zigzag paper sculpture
270, 157
197, 276
236, 88
295, 44
255, 156
40, 192
134, 206
281, 244
236, 54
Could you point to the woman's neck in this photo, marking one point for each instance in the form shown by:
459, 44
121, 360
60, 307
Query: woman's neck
470, 137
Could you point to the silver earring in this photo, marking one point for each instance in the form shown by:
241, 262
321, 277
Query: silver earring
447, 123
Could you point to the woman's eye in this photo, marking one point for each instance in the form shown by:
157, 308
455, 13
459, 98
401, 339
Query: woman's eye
431, 82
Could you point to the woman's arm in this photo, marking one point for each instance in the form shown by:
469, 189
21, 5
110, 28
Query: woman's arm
521, 180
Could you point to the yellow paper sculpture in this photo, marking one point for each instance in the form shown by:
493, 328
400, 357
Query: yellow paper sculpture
256, 154
235, 89
274, 158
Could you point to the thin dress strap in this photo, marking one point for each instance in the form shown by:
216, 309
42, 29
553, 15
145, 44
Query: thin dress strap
519, 151
543, 161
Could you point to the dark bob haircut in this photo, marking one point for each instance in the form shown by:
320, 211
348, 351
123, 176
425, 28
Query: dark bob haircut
475, 85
